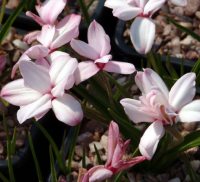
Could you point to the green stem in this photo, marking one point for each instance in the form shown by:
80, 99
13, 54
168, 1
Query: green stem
3, 6
84, 11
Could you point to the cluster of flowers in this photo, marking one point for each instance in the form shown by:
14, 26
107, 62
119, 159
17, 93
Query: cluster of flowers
46, 82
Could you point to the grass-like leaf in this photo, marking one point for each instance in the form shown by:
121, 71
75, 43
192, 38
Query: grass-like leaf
2, 10
5, 28
3, 178
73, 138
37, 166
54, 146
184, 29
98, 155
53, 170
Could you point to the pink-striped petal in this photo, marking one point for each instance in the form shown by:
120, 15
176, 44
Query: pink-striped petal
123, 10
142, 34
17, 94
148, 80
62, 74
46, 35
38, 107
50, 10
67, 29
35, 76
119, 67
152, 6
113, 138
183, 91
84, 49
35, 18
190, 112
85, 70
150, 139
98, 39
135, 112
100, 175
67, 110
30, 37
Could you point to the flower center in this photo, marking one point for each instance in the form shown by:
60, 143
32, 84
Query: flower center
168, 117
100, 65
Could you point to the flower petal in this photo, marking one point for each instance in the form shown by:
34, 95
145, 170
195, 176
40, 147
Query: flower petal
17, 94
135, 112
62, 73
85, 70
50, 10
98, 39
46, 36
30, 37
67, 109
100, 175
183, 91
40, 106
142, 34
148, 80
67, 29
35, 76
113, 137
152, 6
122, 9
84, 49
150, 139
35, 17
190, 112
179, 2
119, 67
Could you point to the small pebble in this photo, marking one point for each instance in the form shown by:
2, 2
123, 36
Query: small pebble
175, 180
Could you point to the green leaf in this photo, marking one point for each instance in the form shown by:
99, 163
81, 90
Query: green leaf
119, 176
73, 138
13, 142
54, 146
84, 159
53, 170
184, 29
3, 178
196, 69
98, 155
5, 28
2, 11
191, 140
127, 129
37, 166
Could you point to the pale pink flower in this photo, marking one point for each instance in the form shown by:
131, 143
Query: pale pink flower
43, 87
142, 30
116, 161
97, 51
54, 33
161, 107
48, 11
55, 36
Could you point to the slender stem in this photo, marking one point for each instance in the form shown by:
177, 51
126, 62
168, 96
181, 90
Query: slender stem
3, 6
84, 11
173, 130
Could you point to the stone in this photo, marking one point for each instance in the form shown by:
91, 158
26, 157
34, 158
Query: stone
104, 141
187, 40
97, 144
19, 44
189, 126
85, 138
192, 7
195, 164
175, 180
197, 14
79, 150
